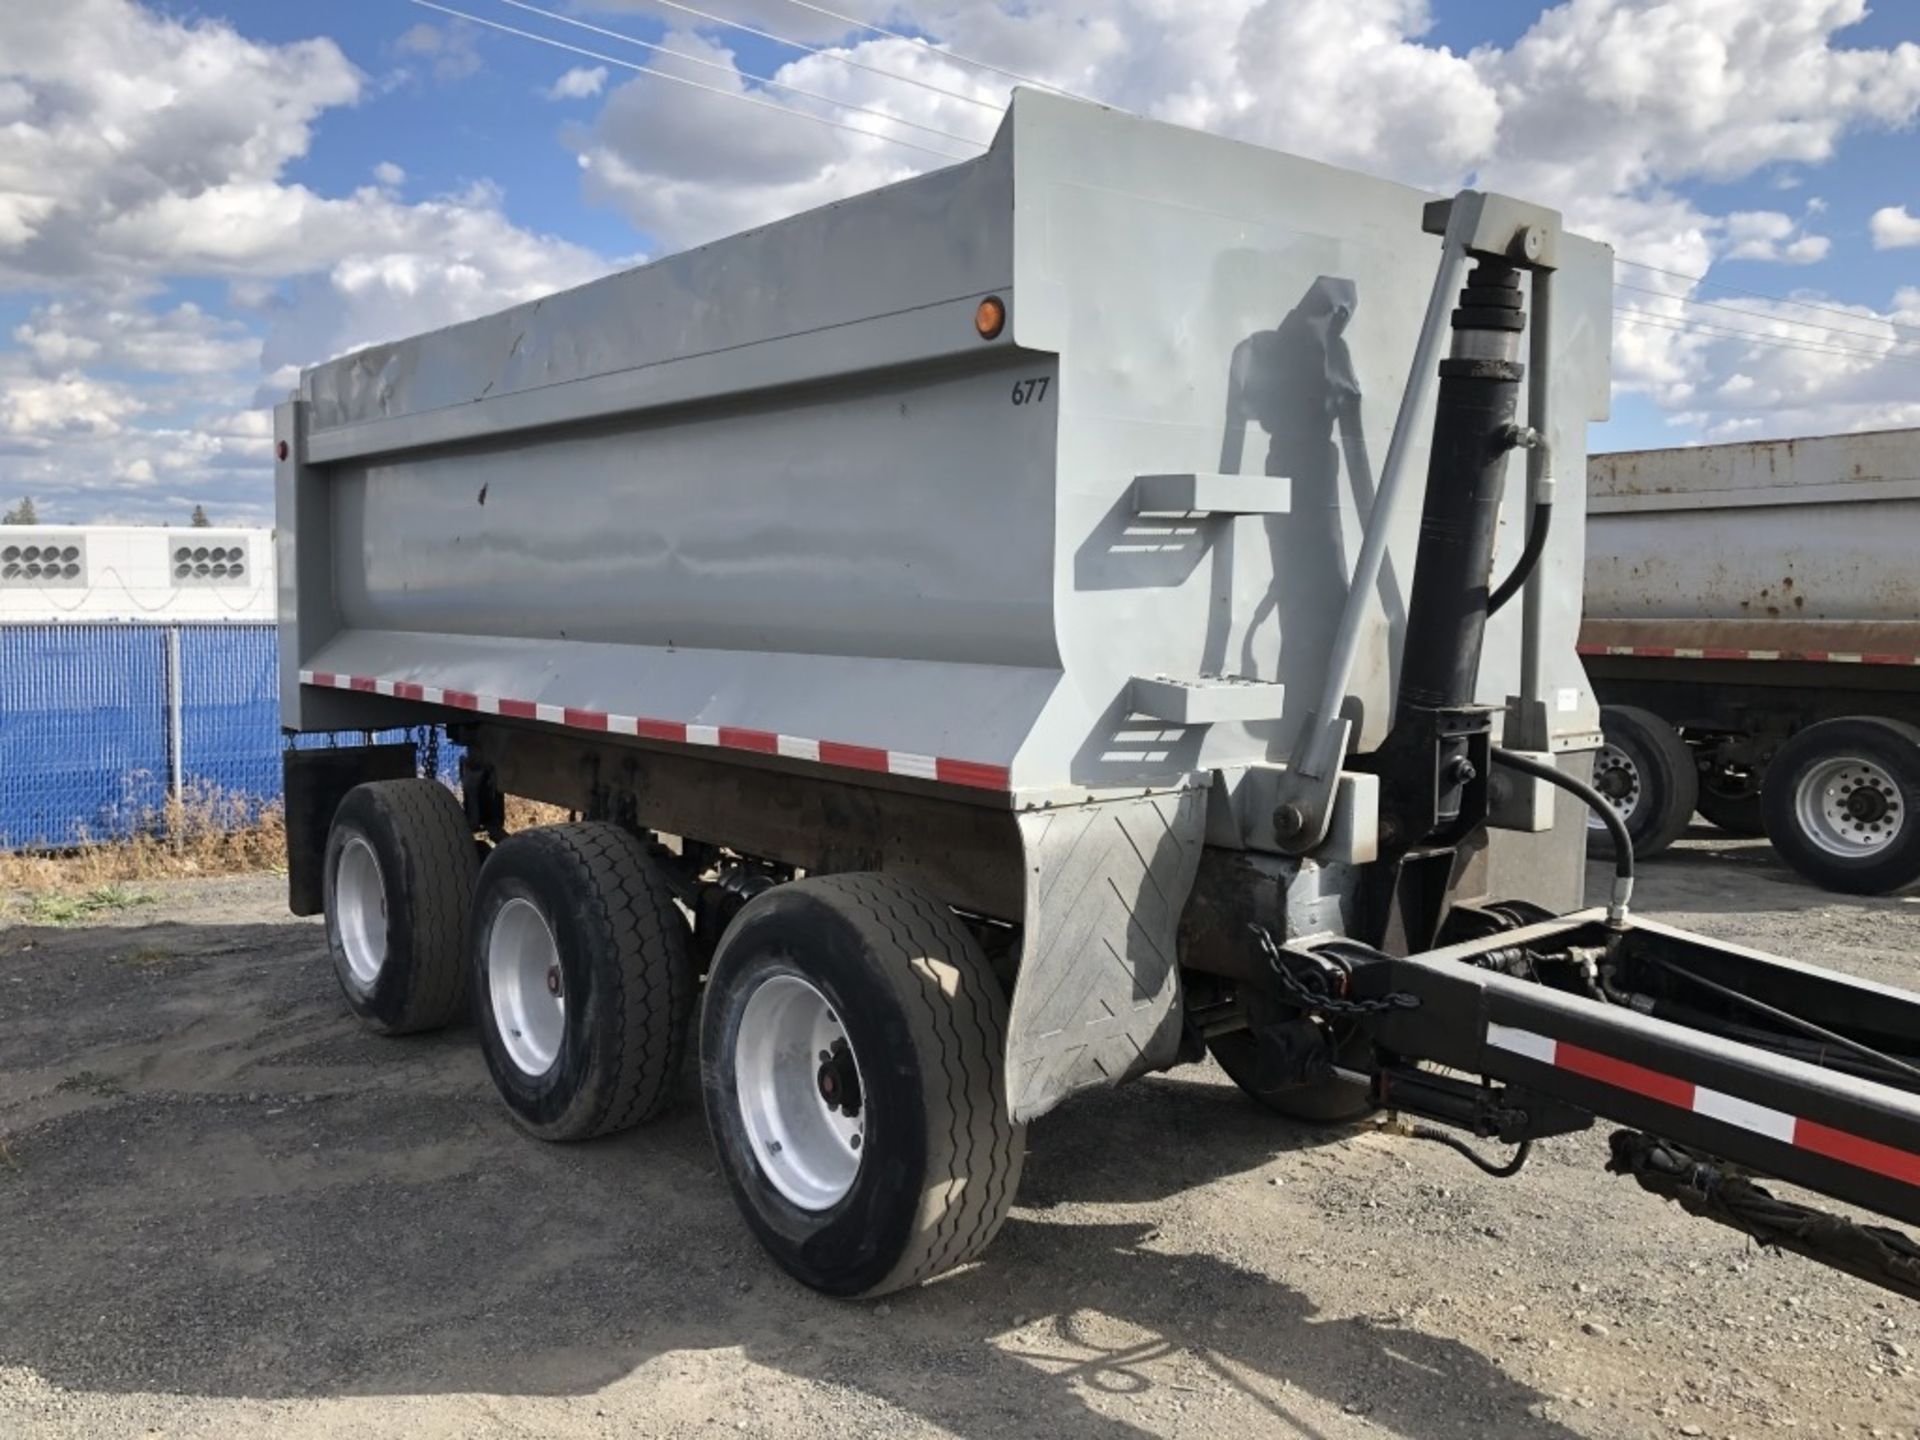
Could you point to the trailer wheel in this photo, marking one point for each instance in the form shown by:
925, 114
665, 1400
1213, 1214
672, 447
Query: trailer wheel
851, 1045
1730, 801
1840, 804
1647, 774
583, 977
397, 876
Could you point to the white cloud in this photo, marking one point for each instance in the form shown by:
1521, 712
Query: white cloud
449, 49
182, 341
1770, 235
579, 83
141, 148
36, 411
1893, 228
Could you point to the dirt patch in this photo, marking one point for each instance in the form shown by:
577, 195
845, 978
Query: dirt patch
227, 1210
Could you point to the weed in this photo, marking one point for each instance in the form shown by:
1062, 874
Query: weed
54, 907
7, 1160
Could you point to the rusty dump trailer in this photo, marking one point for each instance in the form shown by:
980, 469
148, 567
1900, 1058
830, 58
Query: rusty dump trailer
1753, 630
1006, 634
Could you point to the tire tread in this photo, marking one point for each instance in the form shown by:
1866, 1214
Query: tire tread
650, 988
975, 1157
438, 862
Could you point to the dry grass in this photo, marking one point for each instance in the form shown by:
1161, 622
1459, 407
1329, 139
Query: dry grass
69, 907
206, 831
524, 814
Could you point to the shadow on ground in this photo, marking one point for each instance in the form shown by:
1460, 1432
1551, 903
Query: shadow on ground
213, 1184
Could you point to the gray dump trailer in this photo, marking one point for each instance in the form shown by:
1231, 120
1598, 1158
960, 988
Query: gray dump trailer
1009, 633
1753, 627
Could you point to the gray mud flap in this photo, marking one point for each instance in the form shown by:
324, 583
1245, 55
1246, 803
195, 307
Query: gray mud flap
1098, 998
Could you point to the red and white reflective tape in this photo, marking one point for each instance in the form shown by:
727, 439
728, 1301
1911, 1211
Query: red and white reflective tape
939, 768
1794, 1130
1711, 652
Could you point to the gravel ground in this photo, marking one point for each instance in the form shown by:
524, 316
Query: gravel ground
225, 1210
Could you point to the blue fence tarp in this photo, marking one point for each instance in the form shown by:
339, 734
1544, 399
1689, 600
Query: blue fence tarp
85, 747
83, 731
230, 708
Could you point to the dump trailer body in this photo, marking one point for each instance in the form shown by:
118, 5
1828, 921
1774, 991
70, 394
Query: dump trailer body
779, 487
1746, 593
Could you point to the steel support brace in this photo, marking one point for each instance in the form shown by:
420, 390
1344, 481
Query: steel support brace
1853, 1139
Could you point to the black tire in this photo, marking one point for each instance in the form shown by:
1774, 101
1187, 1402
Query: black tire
926, 1021
1665, 780
1253, 1066
1888, 822
623, 964
425, 863
1732, 803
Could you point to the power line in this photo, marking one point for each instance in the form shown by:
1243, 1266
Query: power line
745, 75
1755, 337
937, 49
1819, 325
1755, 294
683, 80
834, 55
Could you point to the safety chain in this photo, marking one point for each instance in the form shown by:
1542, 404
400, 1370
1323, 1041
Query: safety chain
1317, 999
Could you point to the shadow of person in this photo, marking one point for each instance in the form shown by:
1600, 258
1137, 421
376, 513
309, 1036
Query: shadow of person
1299, 385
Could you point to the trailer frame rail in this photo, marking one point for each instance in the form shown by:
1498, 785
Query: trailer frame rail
1607, 1043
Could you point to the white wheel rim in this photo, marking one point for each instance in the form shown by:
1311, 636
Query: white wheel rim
360, 910
1617, 779
796, 1078
526, 986
1849, 807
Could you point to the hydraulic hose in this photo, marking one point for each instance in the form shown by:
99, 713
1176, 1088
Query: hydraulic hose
1595, 801
1528, 437
1529, 556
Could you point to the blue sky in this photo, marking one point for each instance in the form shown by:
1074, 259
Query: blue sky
195, 199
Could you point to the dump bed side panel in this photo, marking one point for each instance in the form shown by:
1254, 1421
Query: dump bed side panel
766, 491
1763, 545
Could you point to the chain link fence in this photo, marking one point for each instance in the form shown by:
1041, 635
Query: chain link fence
100, 725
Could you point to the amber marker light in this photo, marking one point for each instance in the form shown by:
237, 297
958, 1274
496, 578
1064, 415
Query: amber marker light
991, 318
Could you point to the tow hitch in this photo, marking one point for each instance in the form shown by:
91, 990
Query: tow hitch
1726, 1063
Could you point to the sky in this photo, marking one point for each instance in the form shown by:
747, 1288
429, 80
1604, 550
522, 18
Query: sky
198, 200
